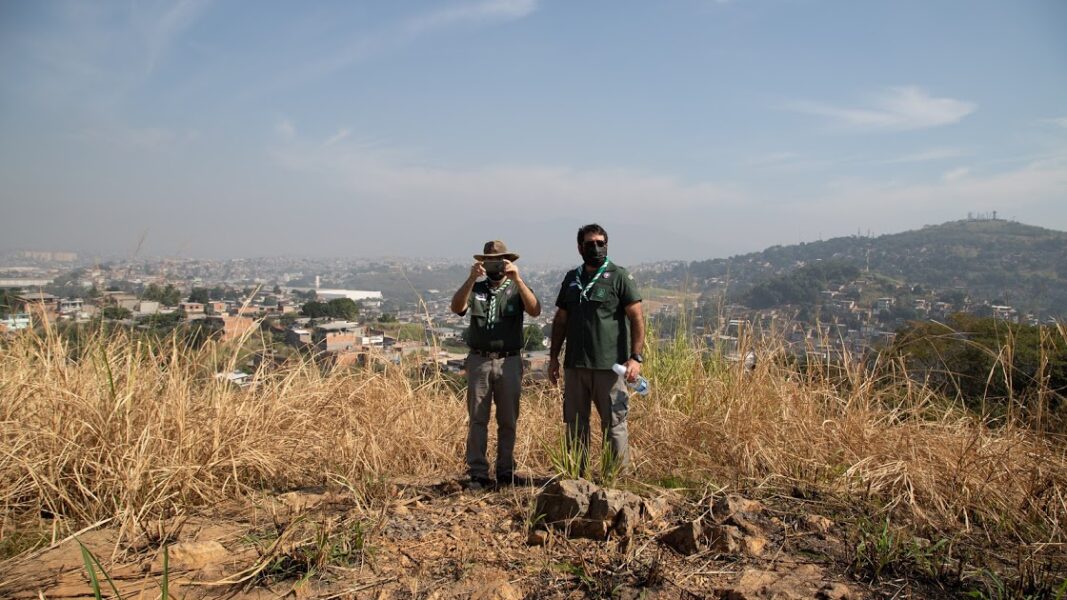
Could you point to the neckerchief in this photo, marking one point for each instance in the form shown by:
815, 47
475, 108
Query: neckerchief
491, 318
584, 293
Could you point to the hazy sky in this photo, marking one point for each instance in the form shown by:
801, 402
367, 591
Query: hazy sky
690, 129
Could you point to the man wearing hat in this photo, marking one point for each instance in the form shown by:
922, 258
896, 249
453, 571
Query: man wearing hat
494, 366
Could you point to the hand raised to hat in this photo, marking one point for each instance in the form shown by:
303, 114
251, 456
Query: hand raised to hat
510, 270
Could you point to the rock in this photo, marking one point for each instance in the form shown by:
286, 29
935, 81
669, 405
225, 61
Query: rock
564, 500
724, 539
605, 504
753, 545
835, 591
655, 509
537, 537
816, 523
300, 501
732, 504
626, 521
685, 538
593, 529
197, 555
803, 582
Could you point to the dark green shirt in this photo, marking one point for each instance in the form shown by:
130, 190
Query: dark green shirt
506, 332
598, 331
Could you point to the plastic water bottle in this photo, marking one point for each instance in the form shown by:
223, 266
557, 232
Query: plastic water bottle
640, 386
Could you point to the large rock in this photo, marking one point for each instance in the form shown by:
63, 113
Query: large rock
685, 538
564, 500
605, 504
593, 529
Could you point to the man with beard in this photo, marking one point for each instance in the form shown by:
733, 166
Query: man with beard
599, 316
494, 365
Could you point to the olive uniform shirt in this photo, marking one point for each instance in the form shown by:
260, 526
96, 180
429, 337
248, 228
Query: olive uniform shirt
506, 332
598, 330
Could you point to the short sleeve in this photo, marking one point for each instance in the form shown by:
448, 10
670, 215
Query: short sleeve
561, 299
628, 292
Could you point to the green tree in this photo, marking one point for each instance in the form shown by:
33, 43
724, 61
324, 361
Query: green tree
343, 308
116, 313
171, 296
533, 338
200, 295
315, 310
152, 292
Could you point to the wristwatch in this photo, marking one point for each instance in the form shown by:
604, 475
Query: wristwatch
636, 356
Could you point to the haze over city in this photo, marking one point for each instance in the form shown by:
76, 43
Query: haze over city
690, 129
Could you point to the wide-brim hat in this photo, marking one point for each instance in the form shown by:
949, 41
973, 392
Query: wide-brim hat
496, 250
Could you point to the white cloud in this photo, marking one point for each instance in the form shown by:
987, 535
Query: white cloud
472, 13
286, 129
407, 31
929, 155
1060, 121
955, 174
893, 109
405, 182
337, 137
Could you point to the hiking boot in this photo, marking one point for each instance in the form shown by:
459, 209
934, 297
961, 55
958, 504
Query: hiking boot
513, 479
479, 483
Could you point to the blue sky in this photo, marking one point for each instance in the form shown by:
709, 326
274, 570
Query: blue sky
690, 129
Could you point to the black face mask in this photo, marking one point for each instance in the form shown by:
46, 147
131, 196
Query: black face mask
594, 255
495, 277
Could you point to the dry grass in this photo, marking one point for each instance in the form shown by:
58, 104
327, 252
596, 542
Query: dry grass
136, 431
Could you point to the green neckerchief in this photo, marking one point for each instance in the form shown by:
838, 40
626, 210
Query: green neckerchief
584, 294
491, 318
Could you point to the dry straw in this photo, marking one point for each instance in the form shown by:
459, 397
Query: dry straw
113, 426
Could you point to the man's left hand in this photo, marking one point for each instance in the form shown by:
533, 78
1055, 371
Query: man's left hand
510, 270
633, 370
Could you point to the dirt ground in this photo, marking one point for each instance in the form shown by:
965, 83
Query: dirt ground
432, 539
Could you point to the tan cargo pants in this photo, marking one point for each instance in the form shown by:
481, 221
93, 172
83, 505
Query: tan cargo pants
492, 381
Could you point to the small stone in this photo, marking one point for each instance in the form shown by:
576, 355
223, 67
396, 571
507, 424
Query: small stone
834, 591
593, 529
731, 504
655, 508
685, 538
197, 555
816, 523
537, 537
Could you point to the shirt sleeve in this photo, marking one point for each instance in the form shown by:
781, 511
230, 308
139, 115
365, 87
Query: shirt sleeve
561, 299
628, 292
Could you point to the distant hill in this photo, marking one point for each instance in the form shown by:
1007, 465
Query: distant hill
996, 261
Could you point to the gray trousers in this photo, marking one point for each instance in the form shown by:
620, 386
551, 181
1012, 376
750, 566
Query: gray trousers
604, 389
492, 381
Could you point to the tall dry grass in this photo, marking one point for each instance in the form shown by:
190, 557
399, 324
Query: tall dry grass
117, 428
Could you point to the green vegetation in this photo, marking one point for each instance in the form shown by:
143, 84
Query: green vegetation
338, 308
533, 338
801, 286
996, 368
1001, 261
168, 296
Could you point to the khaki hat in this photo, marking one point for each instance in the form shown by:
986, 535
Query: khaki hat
496, 250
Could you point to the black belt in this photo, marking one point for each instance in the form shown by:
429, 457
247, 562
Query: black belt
495, 355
